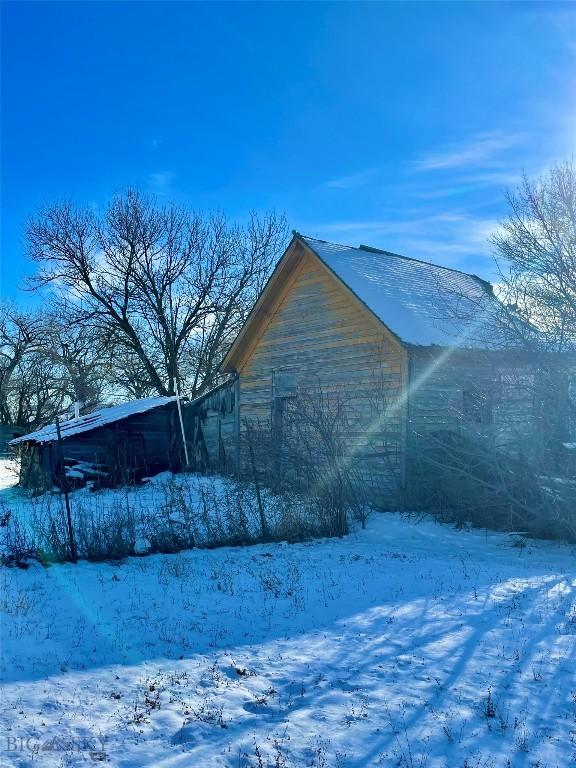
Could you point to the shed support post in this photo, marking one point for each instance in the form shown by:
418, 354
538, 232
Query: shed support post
181, 422
64, 483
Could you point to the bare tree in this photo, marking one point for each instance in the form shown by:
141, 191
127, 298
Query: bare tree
533, 323
535, 249
18, 336
166, 285
127, 375
81, 353
32, 390
516, 471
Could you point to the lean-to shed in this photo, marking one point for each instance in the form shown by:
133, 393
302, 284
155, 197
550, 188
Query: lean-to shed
117, 444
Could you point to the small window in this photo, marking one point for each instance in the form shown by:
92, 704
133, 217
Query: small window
476, 406
284, 383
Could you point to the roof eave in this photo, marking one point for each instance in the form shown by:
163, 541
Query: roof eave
31, 439
230, 362
234, 355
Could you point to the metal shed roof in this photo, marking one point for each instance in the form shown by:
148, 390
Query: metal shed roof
93, 420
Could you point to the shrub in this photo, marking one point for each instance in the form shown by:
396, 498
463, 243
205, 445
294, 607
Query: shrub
19, 547
464, 479
171, 513
304, 455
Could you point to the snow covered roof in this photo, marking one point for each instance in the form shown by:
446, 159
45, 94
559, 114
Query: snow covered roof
93, 420
421, 303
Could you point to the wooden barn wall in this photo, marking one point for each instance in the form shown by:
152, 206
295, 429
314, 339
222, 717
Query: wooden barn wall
440, 383
328, 342
211, 430
32, 472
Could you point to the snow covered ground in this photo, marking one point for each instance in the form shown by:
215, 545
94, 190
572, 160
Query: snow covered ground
408, 644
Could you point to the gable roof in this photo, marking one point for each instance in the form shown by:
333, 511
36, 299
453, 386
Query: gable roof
93, 420
423, 304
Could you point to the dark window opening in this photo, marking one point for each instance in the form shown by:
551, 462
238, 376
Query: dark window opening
476, 406
284, 383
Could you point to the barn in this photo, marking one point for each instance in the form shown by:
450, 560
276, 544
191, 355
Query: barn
117, 444
406, 347
410, 347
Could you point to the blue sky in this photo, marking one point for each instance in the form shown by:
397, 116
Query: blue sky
393, 124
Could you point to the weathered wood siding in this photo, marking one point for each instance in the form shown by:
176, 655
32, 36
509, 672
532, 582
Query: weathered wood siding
441, 380
325, 338
211, 424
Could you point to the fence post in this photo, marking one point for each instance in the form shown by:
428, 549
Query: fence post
64, 485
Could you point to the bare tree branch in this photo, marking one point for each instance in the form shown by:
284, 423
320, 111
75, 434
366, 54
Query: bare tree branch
168, 286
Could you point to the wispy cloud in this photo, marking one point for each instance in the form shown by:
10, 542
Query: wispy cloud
465, 184
160, 182
393, 226
451, 238
480, 150
447, 201
354, 180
